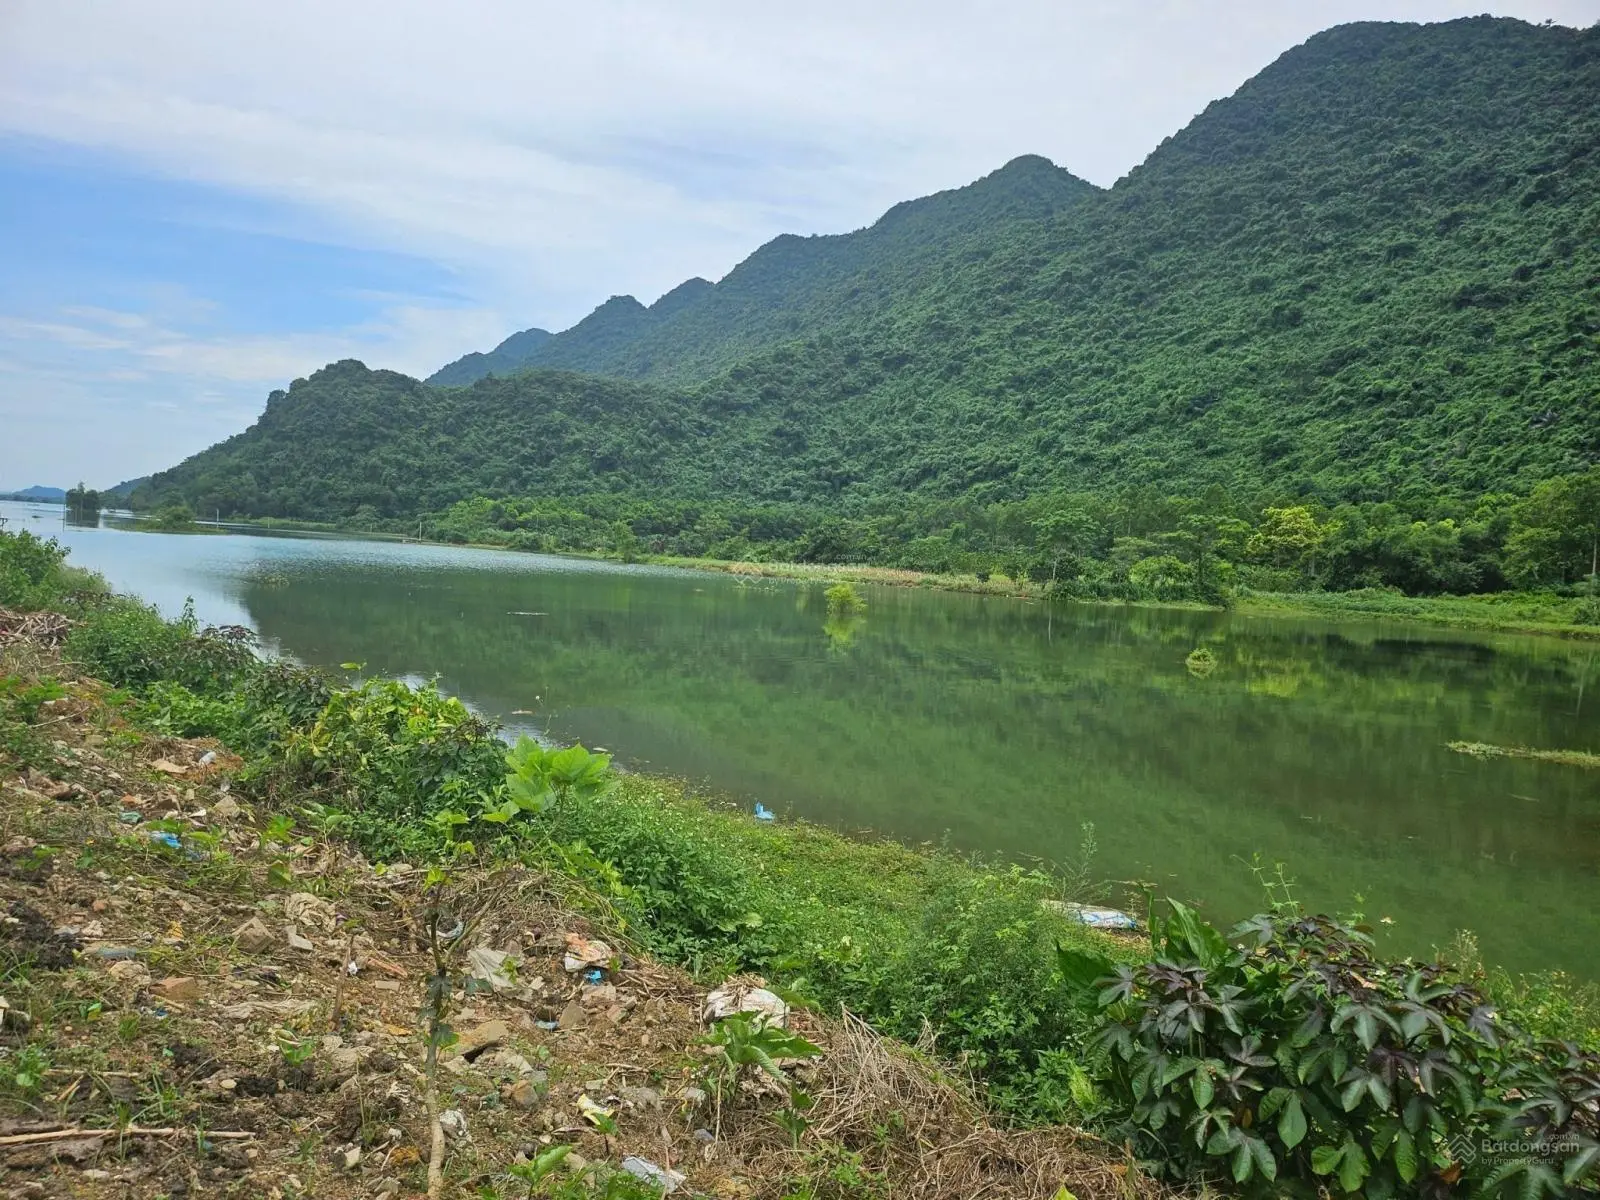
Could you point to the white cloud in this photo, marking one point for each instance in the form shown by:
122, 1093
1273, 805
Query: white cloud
561, 152
72, 391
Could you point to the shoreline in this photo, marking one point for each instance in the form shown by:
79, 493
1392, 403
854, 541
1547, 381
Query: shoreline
1476, 613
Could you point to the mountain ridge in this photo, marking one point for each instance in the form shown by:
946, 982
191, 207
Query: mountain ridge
1371, 274
819, 278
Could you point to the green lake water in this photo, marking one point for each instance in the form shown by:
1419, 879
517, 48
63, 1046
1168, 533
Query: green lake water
999, 726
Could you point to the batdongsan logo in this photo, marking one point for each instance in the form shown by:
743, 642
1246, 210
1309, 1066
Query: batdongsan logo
1466, 1151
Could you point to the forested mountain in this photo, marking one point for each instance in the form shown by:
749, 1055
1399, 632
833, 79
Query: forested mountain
1372, 274
790, 286
510, 355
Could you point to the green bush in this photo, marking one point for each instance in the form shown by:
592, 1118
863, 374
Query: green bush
388, 754
30, 571
130, 644
1300, 1062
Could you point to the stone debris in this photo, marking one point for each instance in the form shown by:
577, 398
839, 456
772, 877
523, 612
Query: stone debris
181, 989
254, 936
480, 1038
664, 1178
302, 908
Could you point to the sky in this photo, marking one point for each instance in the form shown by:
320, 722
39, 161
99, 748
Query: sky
202, 201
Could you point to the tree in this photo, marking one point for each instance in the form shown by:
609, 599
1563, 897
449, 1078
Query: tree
1289, 537
1555, 533
1207, 541
83, 504
1065, 534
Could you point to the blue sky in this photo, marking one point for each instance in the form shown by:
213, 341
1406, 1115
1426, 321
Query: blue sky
200, 201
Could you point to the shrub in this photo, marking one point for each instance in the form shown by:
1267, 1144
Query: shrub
30, 570
1300, 1061
391, 752
130, 644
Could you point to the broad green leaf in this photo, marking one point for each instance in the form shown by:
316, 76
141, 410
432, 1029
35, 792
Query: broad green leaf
1325, 1159
1405, 1156
1292, 1123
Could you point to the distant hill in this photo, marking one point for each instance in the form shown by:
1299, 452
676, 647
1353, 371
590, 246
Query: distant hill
510, 355
45, 495
791, 285
1371, 274
125, 489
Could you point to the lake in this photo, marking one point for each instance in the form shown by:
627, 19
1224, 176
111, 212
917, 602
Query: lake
997, 726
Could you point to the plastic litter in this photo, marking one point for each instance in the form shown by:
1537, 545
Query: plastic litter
169, 840
130, 817
595, 976
664, 1178
763, 813
584, 955
488, 968
209, 757
454, 1123
1097, 918
733, 998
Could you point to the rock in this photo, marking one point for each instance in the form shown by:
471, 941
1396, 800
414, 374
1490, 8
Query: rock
130, 973
168, 767
227, 809
733, 998
575, 1162
693, 1096
254, 937
296, 942
667, 1180
601, 995
302, 908
504, 1061
387, 985
454, 1123
389, 1187
572, 1016
479, 1038
522, 1094
112, 953
94, 1175
181, 989
352, 1158
640, 1097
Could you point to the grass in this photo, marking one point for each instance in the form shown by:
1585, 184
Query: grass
1504, 612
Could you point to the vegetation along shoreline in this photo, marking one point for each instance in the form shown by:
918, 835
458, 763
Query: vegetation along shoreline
1043, 1012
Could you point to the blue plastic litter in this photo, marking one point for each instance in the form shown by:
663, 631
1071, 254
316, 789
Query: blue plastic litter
595, 976
548, 1025
169, 840
763, 813
1101, 918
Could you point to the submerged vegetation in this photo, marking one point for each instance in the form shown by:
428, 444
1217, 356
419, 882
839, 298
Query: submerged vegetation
1571, 758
